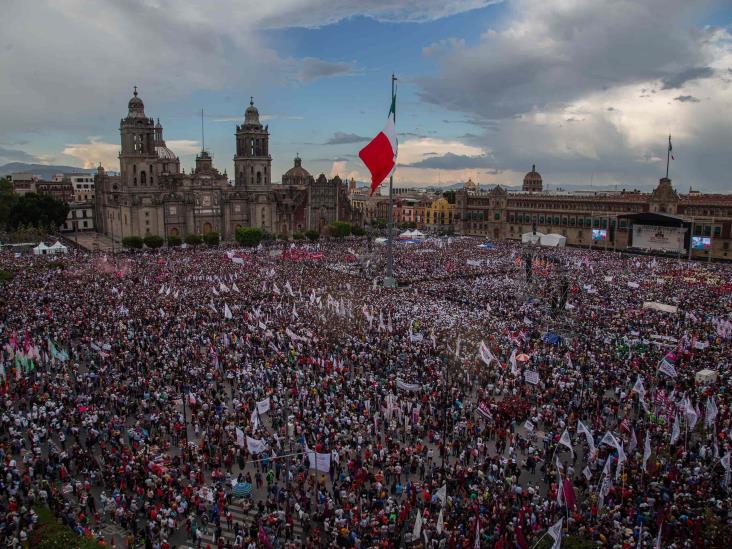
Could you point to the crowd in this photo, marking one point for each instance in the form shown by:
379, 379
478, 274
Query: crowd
481, 404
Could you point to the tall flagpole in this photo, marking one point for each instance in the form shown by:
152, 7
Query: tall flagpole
389, 281
668, 154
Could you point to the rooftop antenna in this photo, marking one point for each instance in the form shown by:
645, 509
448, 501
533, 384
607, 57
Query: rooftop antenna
203, 135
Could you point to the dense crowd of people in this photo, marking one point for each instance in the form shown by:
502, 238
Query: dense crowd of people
502, 395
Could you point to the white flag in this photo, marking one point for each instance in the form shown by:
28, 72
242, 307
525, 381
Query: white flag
227, 312
711, 412
566, 441
514, 367
676, 431
417, 530
610, 440
581, 428
263, 406
255, 446
633, 441
556, 533
638, 388
646, 449
239, 437
440, 523
691, 416
442, 495
725, 461
667, 368
486, 355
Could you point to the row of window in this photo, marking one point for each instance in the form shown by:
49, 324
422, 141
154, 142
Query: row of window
596, 222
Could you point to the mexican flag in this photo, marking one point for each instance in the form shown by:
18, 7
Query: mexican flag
381, 153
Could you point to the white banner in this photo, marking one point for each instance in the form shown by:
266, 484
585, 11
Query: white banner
531, 377
239, 437
408, 386
529, 426
255, 446
263, 406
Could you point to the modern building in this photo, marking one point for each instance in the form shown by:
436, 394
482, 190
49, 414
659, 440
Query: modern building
662, 220
153, 196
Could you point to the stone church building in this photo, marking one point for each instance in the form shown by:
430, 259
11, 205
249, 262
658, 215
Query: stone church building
153, 196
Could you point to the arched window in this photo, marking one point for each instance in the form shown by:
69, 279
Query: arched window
143, 178
134, 169
259, 178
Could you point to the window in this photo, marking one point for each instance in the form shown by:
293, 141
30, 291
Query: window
143, 178
259, 178
173, 210
496, 216
717, 230
556, 220
707, 230
541, 219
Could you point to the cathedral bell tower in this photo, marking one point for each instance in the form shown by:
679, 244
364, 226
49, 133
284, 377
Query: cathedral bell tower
138, 146
252, 163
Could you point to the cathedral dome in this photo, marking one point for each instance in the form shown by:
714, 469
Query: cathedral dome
251, 115
532, 181
135, 106
297, 175
471, 185
164, 153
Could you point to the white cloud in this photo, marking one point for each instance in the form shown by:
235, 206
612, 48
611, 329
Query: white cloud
94, 152
588, 91
414, 150
183, 146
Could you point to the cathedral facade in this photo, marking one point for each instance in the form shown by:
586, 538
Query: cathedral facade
153, 196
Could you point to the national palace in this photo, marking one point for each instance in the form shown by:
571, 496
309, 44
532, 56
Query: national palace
499, 214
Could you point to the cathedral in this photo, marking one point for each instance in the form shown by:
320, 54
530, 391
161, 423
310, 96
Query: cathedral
153, 196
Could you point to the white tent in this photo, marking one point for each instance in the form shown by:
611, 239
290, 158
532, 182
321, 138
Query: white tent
553, 240
406, 234
58, 248
417, 234
531, 238
41, 249
705, 376
380, 240
660, 306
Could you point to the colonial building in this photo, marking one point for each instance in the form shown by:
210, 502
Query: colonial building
499, 214
153, 196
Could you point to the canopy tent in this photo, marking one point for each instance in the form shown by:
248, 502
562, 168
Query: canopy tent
487, 245
531, 238
705, 377
412, 235
380, 240
58, 248
41, 249
417, 234
553, 240
660, 306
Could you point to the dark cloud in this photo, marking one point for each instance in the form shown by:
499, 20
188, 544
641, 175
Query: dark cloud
678, 79
452, 161
16, 155
311, 68
686, 99
342, 138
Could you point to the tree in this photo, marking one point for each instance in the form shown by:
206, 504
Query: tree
7, 201
211, 239
312, 235
357, 230
174, 241
193, 240
283, 236
339, 229
299, 236
38, 210
134, 242
450, 195
249, 236
153, 241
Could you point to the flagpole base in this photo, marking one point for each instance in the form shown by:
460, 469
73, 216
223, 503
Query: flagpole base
390, 282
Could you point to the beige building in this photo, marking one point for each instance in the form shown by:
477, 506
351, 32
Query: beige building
617, 218
154, 196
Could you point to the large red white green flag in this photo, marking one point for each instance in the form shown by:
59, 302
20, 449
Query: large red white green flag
381, 153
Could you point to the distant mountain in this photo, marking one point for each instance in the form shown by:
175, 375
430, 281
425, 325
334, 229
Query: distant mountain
43, 171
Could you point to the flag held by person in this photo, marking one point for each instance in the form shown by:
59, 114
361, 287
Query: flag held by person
556, 533
566, 441
380, 154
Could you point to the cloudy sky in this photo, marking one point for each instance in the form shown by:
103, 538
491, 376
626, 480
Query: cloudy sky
588, 90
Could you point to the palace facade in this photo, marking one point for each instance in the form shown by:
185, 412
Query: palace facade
499, 214
153, 196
